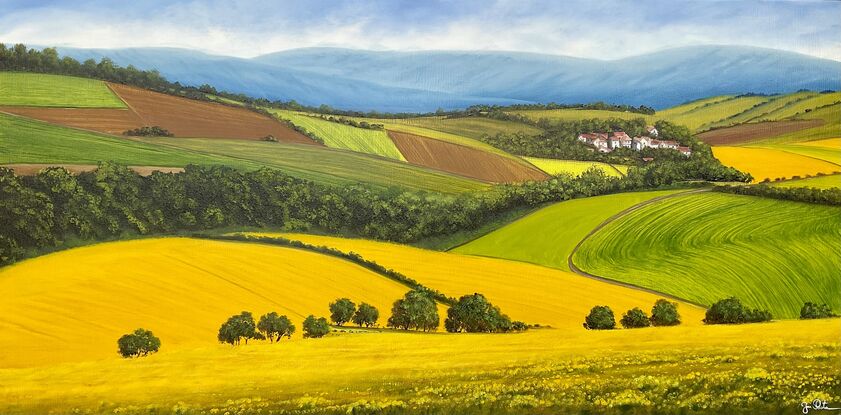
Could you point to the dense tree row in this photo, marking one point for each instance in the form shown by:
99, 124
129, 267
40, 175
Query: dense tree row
732, 311
147, 131
812, 310
600, 106
663, 313
352, 122
831, 196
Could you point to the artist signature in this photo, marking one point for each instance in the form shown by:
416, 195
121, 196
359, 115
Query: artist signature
817, 405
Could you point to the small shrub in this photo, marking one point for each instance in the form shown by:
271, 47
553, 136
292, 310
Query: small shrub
664, 313
315, 327
812, 311
140, 343
635, 318
270, 138
600, 318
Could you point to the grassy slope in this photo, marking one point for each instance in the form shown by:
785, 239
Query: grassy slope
324, 165
399, 126
821, 182
763, 112
540, 371
346, 137
471, 127
526, 292
27, 141
831, 128
548, 236
573, 167
704, 247
772, 163
579, 114
74, 305
692, 105
41, 90
703, 117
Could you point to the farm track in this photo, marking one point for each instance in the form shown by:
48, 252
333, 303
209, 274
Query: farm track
613, 218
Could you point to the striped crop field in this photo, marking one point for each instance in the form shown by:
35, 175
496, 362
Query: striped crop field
820, 182
42, 90
772, 163
343, 136
772, 254
526, 292
573, 167
471, 127
548, 236
74, 305
702, 117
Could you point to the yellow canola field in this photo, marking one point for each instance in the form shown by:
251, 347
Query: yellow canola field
531, 293
833, 143
74, 305
765, 163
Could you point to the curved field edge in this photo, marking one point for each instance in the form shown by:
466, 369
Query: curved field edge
772, 254
548, 236
525, 292
74, 305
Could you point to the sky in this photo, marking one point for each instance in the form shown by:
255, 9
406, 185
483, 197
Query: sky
590, 29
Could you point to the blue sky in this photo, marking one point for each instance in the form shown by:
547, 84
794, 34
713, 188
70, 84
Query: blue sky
592, 29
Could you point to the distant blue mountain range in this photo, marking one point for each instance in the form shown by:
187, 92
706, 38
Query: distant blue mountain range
424, 81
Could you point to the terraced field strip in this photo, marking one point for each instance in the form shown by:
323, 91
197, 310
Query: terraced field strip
342, 136
804, 107
43, 90
74, 305
821, 182
829, 128
322, 164
446, 137
464, 161
526, 292
108, 121
704, 116
547, 237
763, 112
692, 105
772, 254
189, 118
753, 132
771, 163
573, 167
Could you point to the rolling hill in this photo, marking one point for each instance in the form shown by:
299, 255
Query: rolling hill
43, 90
704, 247
368, 80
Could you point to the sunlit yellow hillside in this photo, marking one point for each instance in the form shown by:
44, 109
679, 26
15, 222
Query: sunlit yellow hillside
769, 163
526, 292
75, 304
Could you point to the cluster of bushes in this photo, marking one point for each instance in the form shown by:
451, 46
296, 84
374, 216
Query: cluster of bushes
663, 313
830, 196
351, 122
141, 342
242, 327
812, 310
732, 311
153, 131
343, 310
475, 314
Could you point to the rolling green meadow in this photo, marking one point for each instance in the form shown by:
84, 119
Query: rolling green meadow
820, 182
43, 90
574, 167
772, 254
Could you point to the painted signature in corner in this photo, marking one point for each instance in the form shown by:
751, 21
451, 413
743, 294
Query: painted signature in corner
817, 405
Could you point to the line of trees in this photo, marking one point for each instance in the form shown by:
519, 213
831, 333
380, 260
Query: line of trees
149, 131
39, 212
351, 122
831, 196
811, 311
732, 311
663, 313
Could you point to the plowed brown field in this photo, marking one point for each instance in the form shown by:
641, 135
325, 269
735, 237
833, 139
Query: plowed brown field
110, 121
461, 160
747, 133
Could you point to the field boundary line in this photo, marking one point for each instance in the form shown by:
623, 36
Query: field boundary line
613, 218
130, 108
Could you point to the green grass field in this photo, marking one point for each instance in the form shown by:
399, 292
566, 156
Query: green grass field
548, 236
338, 167
799, 108
573, 167
346, 137
772, 254
41, 90
471, 127
27, 141
692, 105
831, 128
820, 182
703, 117
764, 112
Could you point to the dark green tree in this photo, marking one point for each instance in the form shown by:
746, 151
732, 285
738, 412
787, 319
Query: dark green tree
600, 318
812, 310
635, 318
139, 343
274, 326
475, 314
315, 327
341, 311
366, 315
416, 311
732, 311
237, 328
664, 313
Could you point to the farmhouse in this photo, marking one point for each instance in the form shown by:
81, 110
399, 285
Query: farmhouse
607, 142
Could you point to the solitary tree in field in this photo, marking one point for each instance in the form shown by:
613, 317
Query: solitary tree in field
140, 343
315, 327
366, 315
600, 318
635, 318
341, 310
237, 328
416, 310
273, 326
664, 313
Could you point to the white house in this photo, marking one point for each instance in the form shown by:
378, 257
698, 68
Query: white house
607, 142
652, 132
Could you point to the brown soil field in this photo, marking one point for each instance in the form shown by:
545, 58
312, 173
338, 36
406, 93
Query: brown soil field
461, 160
747, 133
109, 121
188, 118
33, 169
